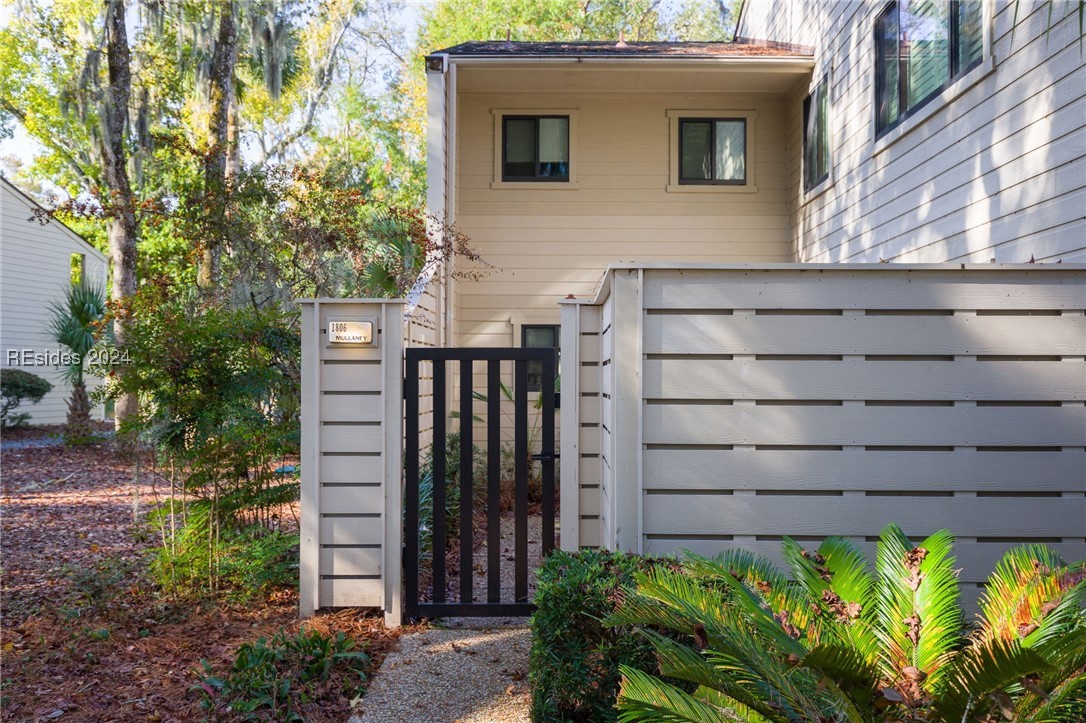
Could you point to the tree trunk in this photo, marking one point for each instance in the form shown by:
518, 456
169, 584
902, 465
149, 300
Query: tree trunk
123, 230
216, 186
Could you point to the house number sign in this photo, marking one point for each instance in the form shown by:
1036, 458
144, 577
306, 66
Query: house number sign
353, 332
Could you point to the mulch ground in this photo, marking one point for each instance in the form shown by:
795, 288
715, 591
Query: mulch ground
83, 635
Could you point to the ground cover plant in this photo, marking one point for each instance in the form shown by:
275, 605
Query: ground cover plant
845, 642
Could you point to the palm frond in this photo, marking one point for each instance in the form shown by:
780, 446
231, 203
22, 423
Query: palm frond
919, 614
982, 670
1025, 581
645, 698
854, 676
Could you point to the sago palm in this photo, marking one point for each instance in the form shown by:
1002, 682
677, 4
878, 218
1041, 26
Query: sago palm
842, 642
77, 323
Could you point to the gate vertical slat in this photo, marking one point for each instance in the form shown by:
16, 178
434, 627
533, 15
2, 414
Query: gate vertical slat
547, 456
438, 562
520, 465
467, 478
493, 475
466, 602
411, 483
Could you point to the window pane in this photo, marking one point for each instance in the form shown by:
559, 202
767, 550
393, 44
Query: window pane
887, 78
554, 147
925, 47
970, 33
816, 155
694, 141
519, 147
540, 337
731, 150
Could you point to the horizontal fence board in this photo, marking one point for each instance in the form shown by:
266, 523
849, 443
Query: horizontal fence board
351, 438
975, 559
590, 380
352, 470
590, 442
590, 533
862, 289
351, 408
590, 348
864, 470
854, 515
589, 410
350, 560
590, 501
366, 593
862, 334
352, 500
866, 380
348, 377
864, 425
351, 530
590, 466
590, 318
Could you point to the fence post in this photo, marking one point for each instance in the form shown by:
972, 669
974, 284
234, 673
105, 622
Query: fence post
351, 458
626, 390
309, 493
392, 426
570, 367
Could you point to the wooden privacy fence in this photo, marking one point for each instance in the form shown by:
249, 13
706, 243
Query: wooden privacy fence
714, 407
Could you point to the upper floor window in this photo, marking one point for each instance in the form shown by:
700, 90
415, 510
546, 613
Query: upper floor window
921, 46
713, 151
535, 148
816, 141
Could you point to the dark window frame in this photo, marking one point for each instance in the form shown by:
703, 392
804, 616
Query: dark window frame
712, 121
534, 368
814, 102
506, 178
955, 71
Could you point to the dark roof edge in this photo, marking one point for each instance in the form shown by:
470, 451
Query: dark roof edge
548, 49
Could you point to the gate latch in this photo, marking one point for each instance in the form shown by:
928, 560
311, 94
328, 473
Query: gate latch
545, 457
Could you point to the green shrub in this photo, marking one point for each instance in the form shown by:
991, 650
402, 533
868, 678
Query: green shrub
574, 661
16, 386
275, 679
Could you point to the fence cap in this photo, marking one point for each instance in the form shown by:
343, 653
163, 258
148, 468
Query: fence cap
330, 300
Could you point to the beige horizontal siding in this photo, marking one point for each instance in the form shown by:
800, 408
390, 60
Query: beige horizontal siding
546, 243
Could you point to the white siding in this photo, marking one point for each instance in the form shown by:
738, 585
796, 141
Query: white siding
997, 172
35, 267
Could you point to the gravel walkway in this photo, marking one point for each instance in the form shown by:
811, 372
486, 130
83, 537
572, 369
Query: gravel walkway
470, 670
442, 676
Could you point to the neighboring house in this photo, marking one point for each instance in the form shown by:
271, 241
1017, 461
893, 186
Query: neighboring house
965, 143
37, 262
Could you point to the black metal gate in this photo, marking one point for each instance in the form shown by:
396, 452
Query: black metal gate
464, 603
